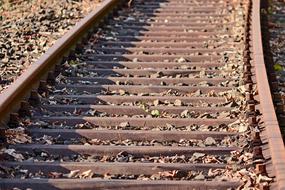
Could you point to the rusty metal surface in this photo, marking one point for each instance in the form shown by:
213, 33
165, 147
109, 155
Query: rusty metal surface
273, 133
149, 100
37, 70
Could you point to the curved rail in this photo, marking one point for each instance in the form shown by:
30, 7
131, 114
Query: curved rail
269, 118
18, 91
37, 71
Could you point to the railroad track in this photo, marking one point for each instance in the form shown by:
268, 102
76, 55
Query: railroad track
167, 94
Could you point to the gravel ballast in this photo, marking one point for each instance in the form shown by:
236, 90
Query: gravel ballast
29, 28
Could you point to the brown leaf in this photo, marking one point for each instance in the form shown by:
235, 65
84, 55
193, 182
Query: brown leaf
105, 158
168, 173
156, 102
184, 114
55, 175
86, 174
73, 173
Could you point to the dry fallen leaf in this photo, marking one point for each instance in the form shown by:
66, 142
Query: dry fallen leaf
12, 152
168, 173
86, 174
156, 102
73, 173
184, 114
55, 175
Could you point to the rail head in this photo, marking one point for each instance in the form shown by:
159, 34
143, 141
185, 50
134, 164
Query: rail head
11, 97
268, 112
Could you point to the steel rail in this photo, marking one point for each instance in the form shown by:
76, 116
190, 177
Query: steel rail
273, 133
11, 97
20, 89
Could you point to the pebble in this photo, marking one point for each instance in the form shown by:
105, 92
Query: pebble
210, 141
242, 128
200, 177
25, 35
124, 124
181, 60
198, 155
178, 102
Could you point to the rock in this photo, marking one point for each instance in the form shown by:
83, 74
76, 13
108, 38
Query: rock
178, 102
242, 128
122, 92
184, 67
199, 177
202, 73
198, 155
204, 83
197, 93
124, 124
209, 141
130, 18
155, 177
182, 60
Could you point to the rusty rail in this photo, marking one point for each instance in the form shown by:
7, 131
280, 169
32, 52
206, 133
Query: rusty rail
272, 129
156, 85
37, 71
